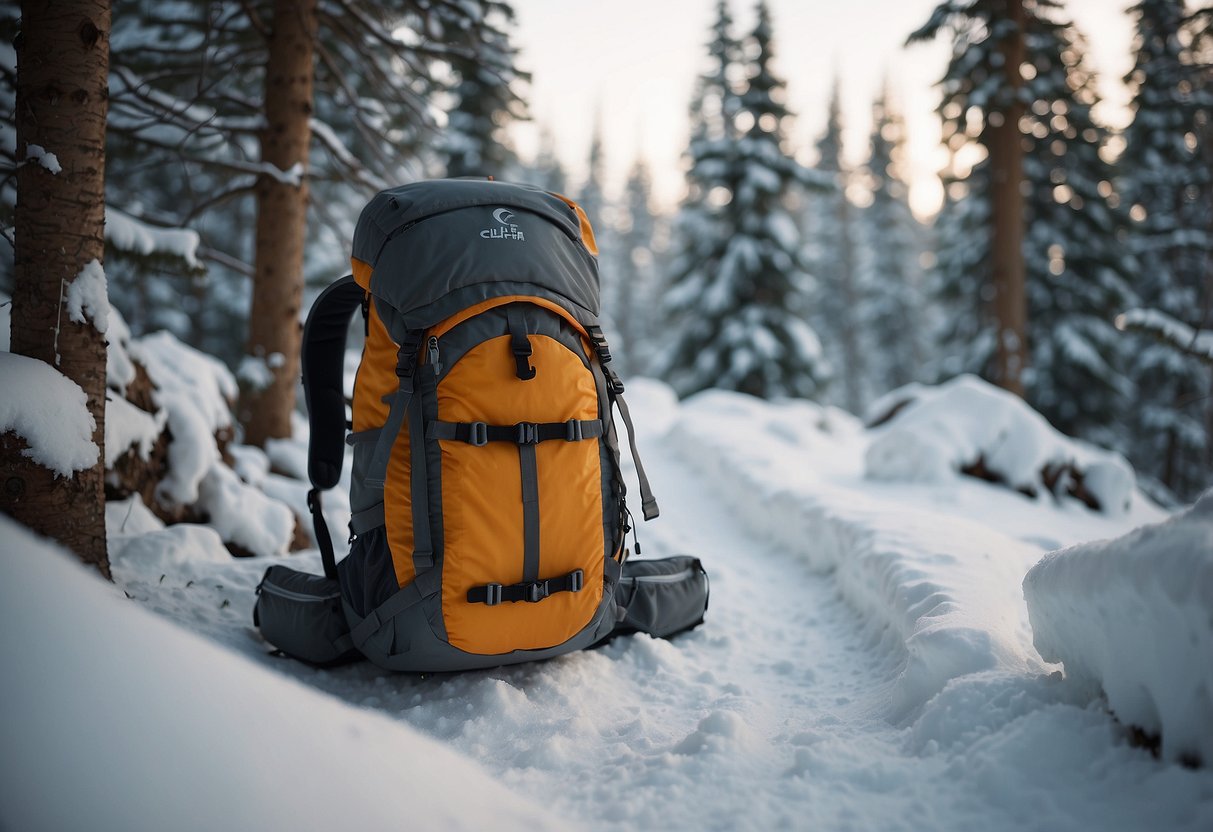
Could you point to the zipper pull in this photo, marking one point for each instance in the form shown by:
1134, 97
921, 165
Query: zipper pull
432, 348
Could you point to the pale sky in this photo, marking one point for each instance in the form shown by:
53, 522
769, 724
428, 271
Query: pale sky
635, 61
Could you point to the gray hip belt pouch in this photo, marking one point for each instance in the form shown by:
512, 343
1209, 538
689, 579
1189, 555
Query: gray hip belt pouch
661, 597
301, 615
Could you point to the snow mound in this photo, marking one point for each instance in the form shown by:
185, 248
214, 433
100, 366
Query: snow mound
205, 739
127, 426
50, 413
929, 434
243, 515
1134, 617
182, 372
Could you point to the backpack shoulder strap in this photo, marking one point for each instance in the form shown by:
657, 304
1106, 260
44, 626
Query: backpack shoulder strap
323, 363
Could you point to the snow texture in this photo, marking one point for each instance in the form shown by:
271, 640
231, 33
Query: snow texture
1132, 616
127, 426
243, 515
36, 153
49, 411
1177, 333
193, 737
938, 431
86, 297
129, 234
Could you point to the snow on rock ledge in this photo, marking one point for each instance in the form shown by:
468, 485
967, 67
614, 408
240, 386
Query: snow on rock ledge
49, 411
1134, 616
929, 434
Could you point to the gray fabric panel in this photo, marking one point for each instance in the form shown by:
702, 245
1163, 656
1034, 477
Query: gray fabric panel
459, 299
495, 323
424, 586
363, 496
378, 464
530, 512
662, 597
393, 209
423, 547
433, 455
301, 615
408, 643
612, 469
363, 521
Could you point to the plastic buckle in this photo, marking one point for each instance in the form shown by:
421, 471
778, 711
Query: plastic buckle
573, 431
576, 580
478, 434
537, 591
615, 382
528, 433
492, 595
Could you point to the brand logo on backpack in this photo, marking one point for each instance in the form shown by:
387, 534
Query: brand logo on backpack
507, 229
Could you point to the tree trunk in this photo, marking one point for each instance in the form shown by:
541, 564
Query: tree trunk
62, 100
853, 358
274, 327
1005, 144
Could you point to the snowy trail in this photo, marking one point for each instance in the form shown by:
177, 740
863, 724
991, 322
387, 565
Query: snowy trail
781, 711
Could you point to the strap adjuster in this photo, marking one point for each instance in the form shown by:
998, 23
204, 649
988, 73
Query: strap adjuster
478, 434
573, 431
536, 592
492, 594
528, 433
576, 580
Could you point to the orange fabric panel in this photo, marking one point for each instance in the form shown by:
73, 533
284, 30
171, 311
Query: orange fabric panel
587, 233
362, 273
482, 498
492, 303
376, 379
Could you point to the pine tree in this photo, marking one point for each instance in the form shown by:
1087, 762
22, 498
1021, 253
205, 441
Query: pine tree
591, 197
629, 279
61, 100
738, 275
1074, 249
890, 245
487, 99
546, 171
1169, 184
835, 311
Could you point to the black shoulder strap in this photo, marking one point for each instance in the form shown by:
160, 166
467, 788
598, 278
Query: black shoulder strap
323, 361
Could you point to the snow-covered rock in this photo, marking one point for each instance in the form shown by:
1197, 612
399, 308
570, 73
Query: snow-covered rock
1133, 616
934, 433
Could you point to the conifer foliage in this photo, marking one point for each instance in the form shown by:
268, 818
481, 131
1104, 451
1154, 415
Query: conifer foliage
734, 294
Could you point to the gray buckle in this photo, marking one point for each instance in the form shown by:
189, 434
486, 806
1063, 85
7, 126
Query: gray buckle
478, 434
527, 433
492, 595
573, 431
576, 581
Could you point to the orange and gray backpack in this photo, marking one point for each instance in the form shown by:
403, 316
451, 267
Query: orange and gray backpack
487, 497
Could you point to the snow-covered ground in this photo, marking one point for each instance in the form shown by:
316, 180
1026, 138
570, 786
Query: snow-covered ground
866, 663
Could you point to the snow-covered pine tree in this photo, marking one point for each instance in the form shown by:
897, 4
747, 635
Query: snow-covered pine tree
1170, 187
888, 258
486, 99
591, 197
1075, 253
629, 280
837, 297
546, 171
736, 280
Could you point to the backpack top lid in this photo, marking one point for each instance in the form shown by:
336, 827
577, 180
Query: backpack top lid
430, 248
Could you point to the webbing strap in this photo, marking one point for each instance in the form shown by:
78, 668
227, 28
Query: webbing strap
363, 521
321, 529
520, 345
406, 360
530, 512
423, 586
648, 503
423, 548
523, 433
530, 591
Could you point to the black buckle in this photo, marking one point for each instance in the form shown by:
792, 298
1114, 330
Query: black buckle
478, 434
536, 592
528, 433
598, 339
615, 382
492, 594
573, 431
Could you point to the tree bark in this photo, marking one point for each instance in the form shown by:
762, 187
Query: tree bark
59, 226
274, 327
1005, 145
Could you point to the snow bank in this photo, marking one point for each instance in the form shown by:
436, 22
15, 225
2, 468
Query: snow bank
49, 411
1134, 616
127, 426
180, 371
205, 739
969, 425
243, 515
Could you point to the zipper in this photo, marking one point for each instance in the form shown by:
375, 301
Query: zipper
660, 579
274, 589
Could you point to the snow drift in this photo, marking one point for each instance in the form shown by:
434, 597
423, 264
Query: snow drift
204, 739
929, 434
1134, 617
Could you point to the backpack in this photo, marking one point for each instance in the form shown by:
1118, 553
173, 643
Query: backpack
487, 496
